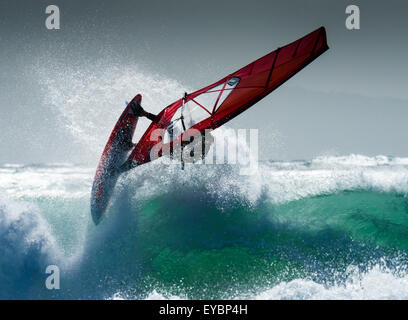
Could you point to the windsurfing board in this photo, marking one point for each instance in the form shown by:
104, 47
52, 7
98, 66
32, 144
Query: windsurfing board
113, 156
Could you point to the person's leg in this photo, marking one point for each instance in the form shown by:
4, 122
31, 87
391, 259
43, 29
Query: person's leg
126, 166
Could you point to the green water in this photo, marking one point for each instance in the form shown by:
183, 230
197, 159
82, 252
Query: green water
194, 249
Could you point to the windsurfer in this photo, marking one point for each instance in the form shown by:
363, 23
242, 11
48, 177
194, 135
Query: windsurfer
206, 141
138, 111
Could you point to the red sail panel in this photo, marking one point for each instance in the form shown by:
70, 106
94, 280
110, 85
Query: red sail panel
264, 75
214, 105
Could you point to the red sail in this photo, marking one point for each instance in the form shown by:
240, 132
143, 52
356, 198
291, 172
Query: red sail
214, 105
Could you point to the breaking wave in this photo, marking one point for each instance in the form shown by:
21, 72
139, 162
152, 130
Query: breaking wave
330, 228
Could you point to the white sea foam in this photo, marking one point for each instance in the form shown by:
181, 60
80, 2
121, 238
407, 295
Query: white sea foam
376, 284
154, 295
45, 181
27, 244
310, 180
357, 160
280, 181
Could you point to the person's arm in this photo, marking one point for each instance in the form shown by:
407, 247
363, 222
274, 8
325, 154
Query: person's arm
152, 117
140, 112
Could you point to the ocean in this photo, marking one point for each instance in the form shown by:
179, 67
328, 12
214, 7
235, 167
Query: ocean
335, 227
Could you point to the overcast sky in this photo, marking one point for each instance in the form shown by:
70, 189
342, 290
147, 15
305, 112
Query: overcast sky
353, 99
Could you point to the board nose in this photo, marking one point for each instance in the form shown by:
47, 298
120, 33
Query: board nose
138, 98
